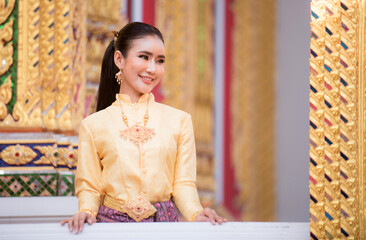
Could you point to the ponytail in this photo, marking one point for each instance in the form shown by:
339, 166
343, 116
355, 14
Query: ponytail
108, 86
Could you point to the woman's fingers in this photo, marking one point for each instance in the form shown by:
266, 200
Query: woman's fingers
69, 223
77, 221
211, 214
90, 219
81, 221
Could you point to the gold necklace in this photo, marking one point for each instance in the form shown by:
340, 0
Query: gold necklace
137, 134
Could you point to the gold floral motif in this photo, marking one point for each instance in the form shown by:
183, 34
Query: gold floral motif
17, 155
5, 90
67, 156
5, 11
138, 134
6, 47
5, 97
139, 208
57, 156
50, 154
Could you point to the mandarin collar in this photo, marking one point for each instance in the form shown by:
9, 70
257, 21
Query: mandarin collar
126, 98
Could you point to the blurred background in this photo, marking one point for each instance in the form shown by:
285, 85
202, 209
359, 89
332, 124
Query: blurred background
239, 67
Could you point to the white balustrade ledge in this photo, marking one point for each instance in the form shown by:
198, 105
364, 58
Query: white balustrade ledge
161, 231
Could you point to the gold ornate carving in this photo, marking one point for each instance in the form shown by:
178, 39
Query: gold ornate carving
50, 155
63, 63
180, 34
49, 94
5, 90
5, 97
47, 61
5, 11
6, 46
139, 208
252, 98
337, 119
57, 156
17, 154
187, 27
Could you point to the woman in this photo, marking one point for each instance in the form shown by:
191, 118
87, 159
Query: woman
136, 156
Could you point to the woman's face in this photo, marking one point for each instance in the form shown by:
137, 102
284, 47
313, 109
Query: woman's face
143, 67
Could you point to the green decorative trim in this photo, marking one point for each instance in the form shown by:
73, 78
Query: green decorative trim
33, 184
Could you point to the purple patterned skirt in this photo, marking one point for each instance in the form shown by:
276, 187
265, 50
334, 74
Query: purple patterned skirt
165, 213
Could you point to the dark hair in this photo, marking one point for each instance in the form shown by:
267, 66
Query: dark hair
108, 86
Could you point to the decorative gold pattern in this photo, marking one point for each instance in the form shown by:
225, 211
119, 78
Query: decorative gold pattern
187, 27
17, 155
6, 35
5, 11
252, 107
27, 109
138, 134
49, 155
139, 208
5, 97
50, 82
47, 60
337, 106
57, 156
63, 56
103, 18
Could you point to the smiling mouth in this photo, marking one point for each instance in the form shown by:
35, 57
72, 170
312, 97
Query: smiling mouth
147, 79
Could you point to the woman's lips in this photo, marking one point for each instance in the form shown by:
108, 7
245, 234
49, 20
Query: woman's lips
147, 80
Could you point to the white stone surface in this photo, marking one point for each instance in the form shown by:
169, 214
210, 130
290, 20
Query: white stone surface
161, 231
36, 209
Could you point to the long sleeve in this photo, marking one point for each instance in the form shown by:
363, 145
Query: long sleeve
89, 172
184, 187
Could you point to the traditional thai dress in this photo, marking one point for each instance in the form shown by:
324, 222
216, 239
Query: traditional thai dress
116, 171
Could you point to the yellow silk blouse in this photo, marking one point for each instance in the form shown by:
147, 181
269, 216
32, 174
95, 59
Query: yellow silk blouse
111, 165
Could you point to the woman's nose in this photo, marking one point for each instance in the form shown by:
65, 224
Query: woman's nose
151, 67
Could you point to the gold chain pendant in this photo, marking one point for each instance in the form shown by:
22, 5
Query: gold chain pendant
138, 134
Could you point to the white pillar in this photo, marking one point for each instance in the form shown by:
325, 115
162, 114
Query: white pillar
219, 99
136, 10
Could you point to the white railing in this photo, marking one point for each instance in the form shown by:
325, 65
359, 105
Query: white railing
38, 218
161, 231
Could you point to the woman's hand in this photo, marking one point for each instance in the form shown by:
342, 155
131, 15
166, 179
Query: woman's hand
209, 215
77, 221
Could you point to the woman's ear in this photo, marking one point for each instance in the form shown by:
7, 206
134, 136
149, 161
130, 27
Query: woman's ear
119, 60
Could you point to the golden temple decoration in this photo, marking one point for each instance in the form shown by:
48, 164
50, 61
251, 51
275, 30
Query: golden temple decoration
187, 27
6, 7
49, 155
6, 46
103, 18
64, 55
337, 120
180, 35
252, 109
27, 109
50, 81
47, 60
79, 62
5, 96
57, 156
17, 154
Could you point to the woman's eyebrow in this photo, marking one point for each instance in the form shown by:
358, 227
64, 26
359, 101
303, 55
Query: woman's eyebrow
150, 54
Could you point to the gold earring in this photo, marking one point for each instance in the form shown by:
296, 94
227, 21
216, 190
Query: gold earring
119, 77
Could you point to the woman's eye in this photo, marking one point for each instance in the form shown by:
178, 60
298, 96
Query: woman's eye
161, 61
144, 57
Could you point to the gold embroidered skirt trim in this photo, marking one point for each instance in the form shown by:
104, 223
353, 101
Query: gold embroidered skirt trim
138, 208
